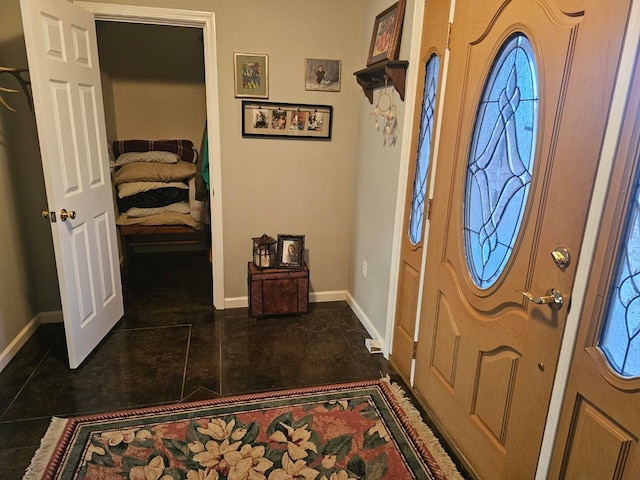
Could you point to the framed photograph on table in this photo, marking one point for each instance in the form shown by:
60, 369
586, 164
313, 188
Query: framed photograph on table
322, 75
387, 30
251, 75
290, 251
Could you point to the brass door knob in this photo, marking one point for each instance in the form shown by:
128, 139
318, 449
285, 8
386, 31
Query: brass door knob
64, 214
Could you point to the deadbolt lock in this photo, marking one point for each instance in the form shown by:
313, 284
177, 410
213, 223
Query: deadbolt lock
561, 257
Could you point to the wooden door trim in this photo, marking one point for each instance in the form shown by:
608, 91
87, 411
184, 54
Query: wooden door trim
206, 22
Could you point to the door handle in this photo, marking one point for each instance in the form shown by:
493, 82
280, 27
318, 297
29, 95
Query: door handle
553, 298
64, 214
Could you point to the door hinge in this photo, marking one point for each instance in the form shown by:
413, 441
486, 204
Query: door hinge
415, 350
429, 204
448, 47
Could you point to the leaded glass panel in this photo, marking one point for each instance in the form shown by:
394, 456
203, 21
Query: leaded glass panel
424, 149
501, 161
620, 340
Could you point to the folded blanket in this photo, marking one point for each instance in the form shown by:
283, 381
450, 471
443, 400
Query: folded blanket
166, 218
180, 207
131, 188
159, 197
184, 148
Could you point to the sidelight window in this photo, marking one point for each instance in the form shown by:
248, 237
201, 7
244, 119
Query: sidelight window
620, 339
424, 149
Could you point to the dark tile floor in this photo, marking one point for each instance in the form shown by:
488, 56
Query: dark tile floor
170, 347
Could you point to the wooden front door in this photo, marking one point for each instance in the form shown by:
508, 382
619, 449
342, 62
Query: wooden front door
432, 54
528, 92
599, 431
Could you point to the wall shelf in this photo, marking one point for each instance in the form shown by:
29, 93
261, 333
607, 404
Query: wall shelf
374, 77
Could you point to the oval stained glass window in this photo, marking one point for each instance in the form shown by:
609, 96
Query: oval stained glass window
432, 70
500, 161
620, 338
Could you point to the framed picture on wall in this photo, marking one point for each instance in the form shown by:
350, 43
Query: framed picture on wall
251, 75
322, 75
286, 120
387, 29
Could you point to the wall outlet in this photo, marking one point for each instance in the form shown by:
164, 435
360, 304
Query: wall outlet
364, 269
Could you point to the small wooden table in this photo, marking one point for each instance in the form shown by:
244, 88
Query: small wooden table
277, 291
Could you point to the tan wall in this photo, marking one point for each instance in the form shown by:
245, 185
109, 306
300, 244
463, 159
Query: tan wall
283, 186
28, 282
339, 193
156, 81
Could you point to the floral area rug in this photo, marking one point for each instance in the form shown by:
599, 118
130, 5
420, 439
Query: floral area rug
365, 430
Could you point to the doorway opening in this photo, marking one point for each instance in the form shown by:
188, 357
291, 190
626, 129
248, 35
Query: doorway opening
204, 23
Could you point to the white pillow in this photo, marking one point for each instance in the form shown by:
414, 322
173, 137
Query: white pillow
151, 156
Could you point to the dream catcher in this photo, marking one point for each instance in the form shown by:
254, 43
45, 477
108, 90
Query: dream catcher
384, 114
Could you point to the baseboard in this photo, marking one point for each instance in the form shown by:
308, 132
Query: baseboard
314, 297
12, 349
330, 296
50, 317
236, 302
17, 343
368, 325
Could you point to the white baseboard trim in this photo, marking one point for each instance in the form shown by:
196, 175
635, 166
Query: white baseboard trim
330, 296
314, 297
236, 302
368, 325
17, 343
12, 349
51, 317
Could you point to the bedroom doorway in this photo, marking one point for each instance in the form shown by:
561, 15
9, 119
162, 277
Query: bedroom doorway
204, 22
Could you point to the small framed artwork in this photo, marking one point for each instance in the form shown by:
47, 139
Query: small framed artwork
387, 29
322, 75
286, 120
251, 75
290, 251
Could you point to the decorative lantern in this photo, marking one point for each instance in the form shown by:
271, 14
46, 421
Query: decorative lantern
264, 251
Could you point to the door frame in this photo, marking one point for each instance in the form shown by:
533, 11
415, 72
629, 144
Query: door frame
206, 22
406, 157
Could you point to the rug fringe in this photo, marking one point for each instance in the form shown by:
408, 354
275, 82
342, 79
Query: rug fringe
426, 434
48, 443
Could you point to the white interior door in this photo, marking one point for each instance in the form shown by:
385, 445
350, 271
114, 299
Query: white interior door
63, 64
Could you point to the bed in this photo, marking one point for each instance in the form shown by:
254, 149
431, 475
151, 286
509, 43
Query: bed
160, 194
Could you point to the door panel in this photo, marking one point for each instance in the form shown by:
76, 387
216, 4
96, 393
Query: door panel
434, 41
599, 429
486, 357
63, 65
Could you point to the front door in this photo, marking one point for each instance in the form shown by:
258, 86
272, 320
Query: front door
65, 74
529, 87
432, 53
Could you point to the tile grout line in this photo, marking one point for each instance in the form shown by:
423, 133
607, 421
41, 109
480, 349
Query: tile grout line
27, 380
186, 363
220, 357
